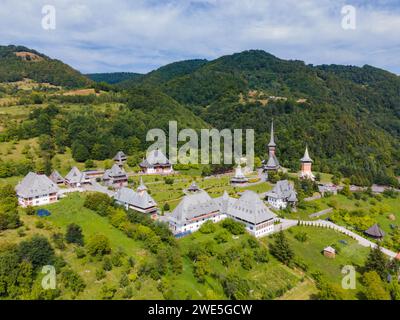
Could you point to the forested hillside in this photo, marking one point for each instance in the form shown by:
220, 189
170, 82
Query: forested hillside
17, 63
166, 73
349, 116
114, 77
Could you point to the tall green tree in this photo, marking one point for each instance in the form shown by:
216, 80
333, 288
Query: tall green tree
281, 249
74, 234
376, 261
374, 287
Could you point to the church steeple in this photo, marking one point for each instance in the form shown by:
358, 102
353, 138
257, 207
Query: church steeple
306, 157
272, 140
306, 166
272, 144
141, 188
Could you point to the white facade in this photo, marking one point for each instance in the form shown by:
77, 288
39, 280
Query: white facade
258, 231
37, 200
277, 203
36, 190
194, 226
158, 170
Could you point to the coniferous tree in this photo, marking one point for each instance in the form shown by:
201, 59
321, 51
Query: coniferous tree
376, 261
281, 249
74, 234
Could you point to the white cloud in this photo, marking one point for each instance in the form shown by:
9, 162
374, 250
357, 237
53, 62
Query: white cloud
123, 35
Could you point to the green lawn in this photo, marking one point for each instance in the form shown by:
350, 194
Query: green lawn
311, 253
14, 150
71, 210
266, 277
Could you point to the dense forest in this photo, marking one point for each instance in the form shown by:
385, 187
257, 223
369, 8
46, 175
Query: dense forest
348, 116
114, 77
17, 63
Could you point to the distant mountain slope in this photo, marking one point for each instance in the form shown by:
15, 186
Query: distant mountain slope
114, 77
17, 63
349, 116
166, 73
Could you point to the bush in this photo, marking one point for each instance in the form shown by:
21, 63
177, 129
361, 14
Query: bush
236, 228
100, 274
166, 207
98, 245
261, 255
30, 211
37, 251
98, 202
39, 224
222, 236
207, 227
74, 234
301, 236
21, 233
108, 292
73, 281
80, 253
124, 281
58, 239
107, 264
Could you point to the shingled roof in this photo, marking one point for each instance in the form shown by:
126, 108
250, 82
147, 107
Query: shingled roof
140, 200
115, 172
35, 185
194, 205
272, 140
193, 187
75, 176
155, 157
120, 156
249, 207
283, 190
273, 162
56, 177
375, 231
306, 157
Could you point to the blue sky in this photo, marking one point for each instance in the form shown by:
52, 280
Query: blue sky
141, 35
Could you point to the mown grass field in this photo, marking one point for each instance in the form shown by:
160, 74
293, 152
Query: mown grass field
311, 253
266, 277
71, 210
386, 205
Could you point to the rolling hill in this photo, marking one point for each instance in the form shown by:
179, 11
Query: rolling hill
114, 77
17, 63
349, 116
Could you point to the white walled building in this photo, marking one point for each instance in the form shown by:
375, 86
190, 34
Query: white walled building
282, 195
306, 166
250, 210
76, 178
36, 190
195, 209
156, 163
198, 207
139, 201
